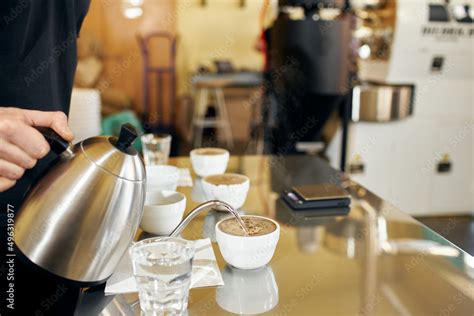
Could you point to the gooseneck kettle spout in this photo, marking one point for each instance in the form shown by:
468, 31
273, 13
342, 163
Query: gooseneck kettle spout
205, 206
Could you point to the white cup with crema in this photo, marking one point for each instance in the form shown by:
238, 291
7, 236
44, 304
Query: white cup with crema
252, 251
231, 188
209, 161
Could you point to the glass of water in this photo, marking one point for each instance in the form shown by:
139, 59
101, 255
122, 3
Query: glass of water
156, 148
162, 268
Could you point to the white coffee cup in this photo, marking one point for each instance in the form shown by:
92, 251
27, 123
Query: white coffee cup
162, 177
233, 194
247, 252
209, 161
162, 212
247, 292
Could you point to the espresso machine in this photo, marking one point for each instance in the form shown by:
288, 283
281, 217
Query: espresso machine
411, 137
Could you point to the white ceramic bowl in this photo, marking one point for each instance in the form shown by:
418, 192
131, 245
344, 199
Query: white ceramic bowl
248, 252
206, 165
247, 292
162, 212
162, 177
233, 194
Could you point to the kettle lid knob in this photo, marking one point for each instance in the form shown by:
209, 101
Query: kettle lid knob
128, 134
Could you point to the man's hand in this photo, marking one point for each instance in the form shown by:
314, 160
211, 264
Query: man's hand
21, 145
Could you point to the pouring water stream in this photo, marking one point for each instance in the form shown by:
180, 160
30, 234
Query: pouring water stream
197, 210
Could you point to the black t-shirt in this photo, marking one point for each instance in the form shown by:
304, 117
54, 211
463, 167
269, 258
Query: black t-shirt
38, 57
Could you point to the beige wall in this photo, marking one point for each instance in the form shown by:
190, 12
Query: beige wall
220, 30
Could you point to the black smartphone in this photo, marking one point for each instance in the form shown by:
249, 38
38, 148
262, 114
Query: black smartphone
316, 196
307, 217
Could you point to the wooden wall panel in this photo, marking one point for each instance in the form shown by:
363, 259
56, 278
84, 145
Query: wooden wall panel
119, 49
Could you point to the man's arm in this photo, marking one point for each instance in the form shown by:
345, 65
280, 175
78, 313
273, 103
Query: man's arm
21, 145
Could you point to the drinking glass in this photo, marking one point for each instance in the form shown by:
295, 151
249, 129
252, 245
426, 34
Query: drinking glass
162, 268
156, 148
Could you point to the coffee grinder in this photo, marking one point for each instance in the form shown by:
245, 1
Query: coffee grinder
309, 62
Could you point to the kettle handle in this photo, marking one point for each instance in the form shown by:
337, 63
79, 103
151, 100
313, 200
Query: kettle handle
56, 142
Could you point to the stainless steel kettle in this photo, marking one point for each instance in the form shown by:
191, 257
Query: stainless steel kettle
79, 219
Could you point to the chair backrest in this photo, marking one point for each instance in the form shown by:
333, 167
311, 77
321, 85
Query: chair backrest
149, 70
144, 44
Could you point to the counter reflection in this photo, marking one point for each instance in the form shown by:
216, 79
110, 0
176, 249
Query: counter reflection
248, 291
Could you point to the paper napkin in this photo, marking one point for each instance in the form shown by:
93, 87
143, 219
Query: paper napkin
205, 271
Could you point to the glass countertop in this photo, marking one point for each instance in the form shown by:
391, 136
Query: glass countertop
376, 260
